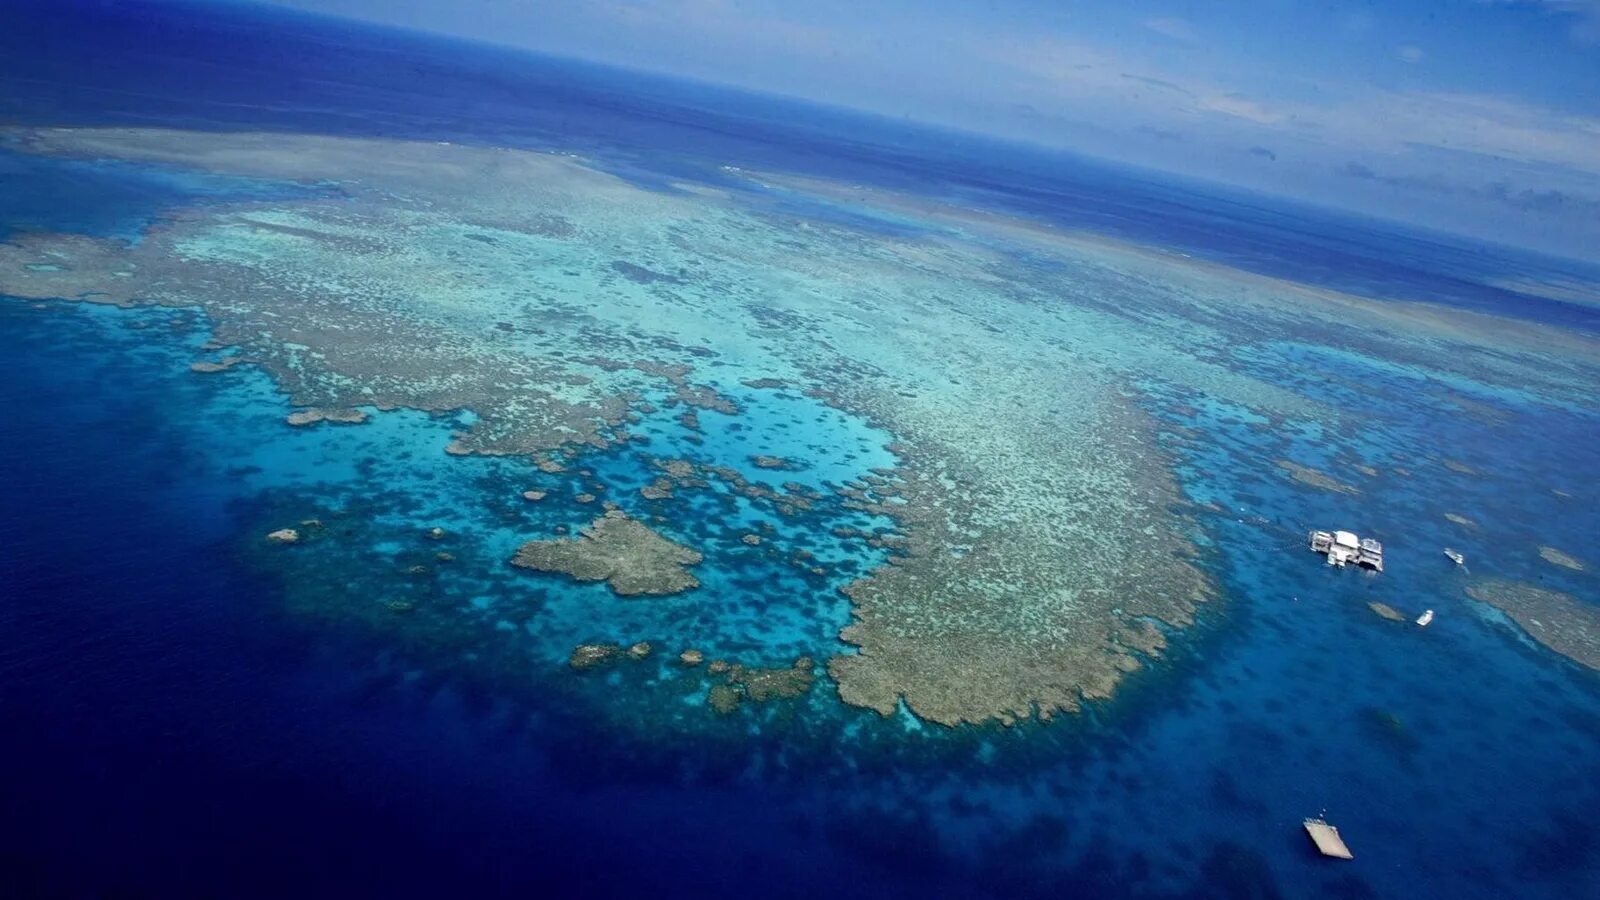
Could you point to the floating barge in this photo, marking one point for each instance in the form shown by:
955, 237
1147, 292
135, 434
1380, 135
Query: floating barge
1327, 839
1344, 547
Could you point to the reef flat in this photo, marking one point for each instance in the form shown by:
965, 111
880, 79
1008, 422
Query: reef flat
1026, 540
1559, 621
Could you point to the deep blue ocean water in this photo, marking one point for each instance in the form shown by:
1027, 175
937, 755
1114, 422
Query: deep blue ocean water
167, 732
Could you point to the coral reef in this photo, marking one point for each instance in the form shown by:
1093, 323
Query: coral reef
221, 365
1385, 611
758, 685
723, 698
616, 549
1556, 557
587, 656
980, 620
1027, 548
318, 414
762, 685
1316, 478
1562, 622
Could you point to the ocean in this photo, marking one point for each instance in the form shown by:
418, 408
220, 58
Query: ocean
192, 711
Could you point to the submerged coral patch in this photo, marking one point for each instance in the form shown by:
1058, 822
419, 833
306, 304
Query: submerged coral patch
1556, 557
1316, 478
616, 549
758, 685
1562, 622
588, 656
1385, 611
207, 367
335, 416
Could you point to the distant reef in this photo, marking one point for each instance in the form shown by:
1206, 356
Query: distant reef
1559, 621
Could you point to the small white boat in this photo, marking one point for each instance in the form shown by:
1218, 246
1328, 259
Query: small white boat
1455, 557
1425, 618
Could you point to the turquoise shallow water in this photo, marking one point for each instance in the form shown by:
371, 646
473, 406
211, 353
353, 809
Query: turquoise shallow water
265, 724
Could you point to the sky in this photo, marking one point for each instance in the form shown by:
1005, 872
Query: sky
1475, 116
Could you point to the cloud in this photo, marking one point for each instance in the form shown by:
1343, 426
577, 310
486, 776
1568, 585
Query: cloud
1476, 123
1239, 106
1409, 53
1548, 202
1157, 82
1353, 118
1174, 28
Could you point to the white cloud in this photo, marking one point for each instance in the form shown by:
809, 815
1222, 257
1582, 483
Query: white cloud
1172, 27
1090, 81
1409, 53
1239, 107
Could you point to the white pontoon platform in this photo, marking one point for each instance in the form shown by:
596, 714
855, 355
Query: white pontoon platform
1342, 547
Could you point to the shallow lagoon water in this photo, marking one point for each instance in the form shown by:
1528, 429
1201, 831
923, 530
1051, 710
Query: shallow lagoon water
264, 703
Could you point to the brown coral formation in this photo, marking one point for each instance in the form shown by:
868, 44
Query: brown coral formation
1561, 622
759, 685
587, 656
1385, 611
318, 414
723, 698
762, 685
619, 550
1556, 557
210, 368
984, 618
